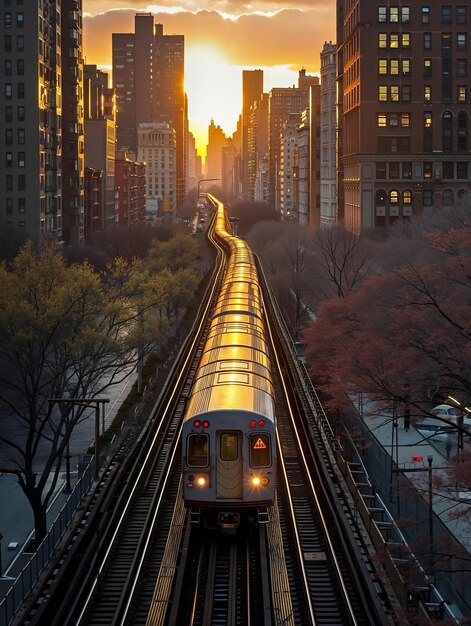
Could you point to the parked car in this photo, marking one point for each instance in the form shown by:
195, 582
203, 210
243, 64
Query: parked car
439, 429
452, 413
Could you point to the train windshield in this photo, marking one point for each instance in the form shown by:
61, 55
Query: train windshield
259, 450
229, 446
198, 451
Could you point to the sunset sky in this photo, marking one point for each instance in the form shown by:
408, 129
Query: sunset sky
222, 37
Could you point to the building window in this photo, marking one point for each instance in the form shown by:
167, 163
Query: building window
394, 170
461, 68
7, 20
405, 67
447, 131
394, 196
20, 43
20, 114
20, 67
20, 88
8, 136
381, 120
9, 206
8, 67
427, 41
393, 119
7, 43
428, 132
462, 131
21, 136
425, 15
446, 14
8, 114
405, 120
394, 15
8, 159
405, 15
427, 197
382, 40
20, 20
394, 91
394, 40
462, 93
21, 159
428, 170
8, 90
405, 93
462, 170
382, 14
407, 196
447, 170
462, 15
447, 198
394, 67
382, 93
427, 67
427, 93
382, 66
21, 182
405, 40
381, 170
461, 42
9, 182
407, 170
21, 205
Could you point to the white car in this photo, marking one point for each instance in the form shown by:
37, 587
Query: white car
439, 429
452, 413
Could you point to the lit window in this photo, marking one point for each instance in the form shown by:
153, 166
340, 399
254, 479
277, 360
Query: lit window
427, 120
405, 67
427, 93
405, 120
383, 93
407, 196
394, 93
393, 196
405, 40
405, 15
394, 67
425, 15
461, 41
382, 66
462, 93
427, 67
381, 120
394, 14
382, 40
394, 40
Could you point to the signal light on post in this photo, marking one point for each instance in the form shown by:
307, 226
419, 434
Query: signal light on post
417, 458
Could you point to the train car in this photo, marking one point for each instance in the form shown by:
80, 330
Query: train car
228, 434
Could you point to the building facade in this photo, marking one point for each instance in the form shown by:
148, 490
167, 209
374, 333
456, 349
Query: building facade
157, 149
130, 181
252, 90
41, 128
404, 80
148, 74
328, 122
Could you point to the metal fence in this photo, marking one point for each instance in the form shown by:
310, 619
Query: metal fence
33, 569
410, 509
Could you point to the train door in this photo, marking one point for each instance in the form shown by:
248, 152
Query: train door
228, 464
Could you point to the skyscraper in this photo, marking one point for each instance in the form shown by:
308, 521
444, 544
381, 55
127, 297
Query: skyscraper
404, 84
41, 126
148, 74
252, 90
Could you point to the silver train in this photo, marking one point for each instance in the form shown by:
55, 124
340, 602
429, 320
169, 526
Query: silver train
228, 435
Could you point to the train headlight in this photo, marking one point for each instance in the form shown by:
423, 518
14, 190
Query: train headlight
259, 481
256, 481
201, 481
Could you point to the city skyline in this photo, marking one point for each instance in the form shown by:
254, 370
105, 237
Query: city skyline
213, 52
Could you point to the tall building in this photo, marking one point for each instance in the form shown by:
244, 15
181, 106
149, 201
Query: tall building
148, 74
328, 213
252, 90
41, 126
281, 102
257, 141
100, 141
404, 80
288, 148
217, 140
157, 149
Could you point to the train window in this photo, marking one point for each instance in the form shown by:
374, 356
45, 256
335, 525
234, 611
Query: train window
229, 446
259, 450
198, 451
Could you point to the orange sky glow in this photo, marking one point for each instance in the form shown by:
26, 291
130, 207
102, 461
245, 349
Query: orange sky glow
222, 37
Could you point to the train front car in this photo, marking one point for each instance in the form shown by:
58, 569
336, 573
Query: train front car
228, 440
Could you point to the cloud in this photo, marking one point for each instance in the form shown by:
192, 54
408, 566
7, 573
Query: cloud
289, 37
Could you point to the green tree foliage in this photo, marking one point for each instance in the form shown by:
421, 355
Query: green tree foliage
177, 253
65, 331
